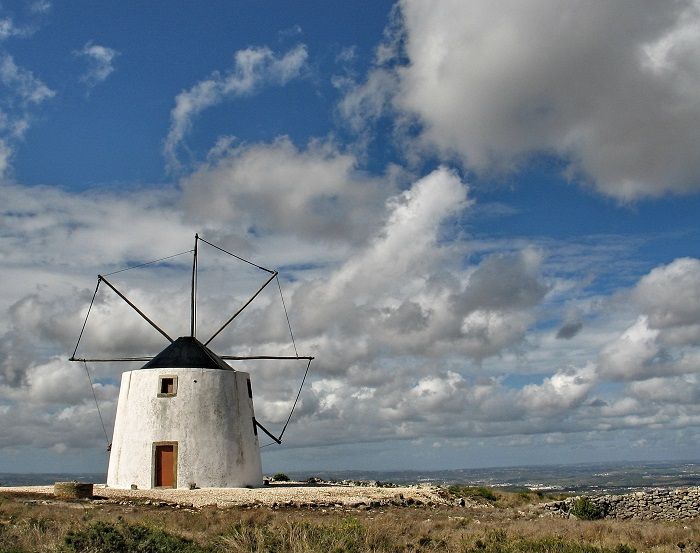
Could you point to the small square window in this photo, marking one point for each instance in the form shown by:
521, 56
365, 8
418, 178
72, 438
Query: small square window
167, 386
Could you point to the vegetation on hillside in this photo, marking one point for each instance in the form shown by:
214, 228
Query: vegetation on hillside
344, 535
82, 527
473, 492
500, 498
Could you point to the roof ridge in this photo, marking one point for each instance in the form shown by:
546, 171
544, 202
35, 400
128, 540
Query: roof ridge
187, 352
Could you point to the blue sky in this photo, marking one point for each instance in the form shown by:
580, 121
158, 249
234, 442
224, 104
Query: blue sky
486, 215
82, 141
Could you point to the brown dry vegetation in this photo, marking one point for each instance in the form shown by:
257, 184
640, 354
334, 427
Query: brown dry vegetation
503, 525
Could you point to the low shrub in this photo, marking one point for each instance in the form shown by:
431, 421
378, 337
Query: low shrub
585, 509
124, 538
280, 477
497, 541
473, 492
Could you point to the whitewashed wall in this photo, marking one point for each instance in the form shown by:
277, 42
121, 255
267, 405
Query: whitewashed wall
211, 418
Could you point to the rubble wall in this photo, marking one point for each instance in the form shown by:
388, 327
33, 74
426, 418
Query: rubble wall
656, 504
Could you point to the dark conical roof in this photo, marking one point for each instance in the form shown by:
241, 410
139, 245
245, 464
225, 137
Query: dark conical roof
187, 352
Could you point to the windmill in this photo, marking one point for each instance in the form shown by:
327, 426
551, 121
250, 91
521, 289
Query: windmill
186, 417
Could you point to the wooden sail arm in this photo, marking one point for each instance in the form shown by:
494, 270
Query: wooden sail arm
122, 296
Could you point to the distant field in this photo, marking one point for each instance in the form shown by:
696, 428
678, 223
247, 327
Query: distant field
596, 477
500, 522
599, 477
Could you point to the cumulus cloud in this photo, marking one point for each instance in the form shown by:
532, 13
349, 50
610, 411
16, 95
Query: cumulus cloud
48, 225
399, 343
403, 295
446, 404
48, 243
630, 355
317, 191
612, 89
665, 338
100, 60
670, 295
415, 335
398, 293
59, 426
253, 67
417, 332
684, 390
560, 392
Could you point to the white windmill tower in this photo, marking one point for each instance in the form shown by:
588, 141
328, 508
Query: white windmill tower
186, 417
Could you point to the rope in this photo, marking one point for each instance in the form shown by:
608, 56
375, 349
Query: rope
99, 280
306, 372
236, 256
148, 263
94, 395
289, 418
287, 315
86, 317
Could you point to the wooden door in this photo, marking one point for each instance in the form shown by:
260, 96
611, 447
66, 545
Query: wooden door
165, 466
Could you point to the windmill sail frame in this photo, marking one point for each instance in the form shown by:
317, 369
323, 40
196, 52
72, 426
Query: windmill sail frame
193, 323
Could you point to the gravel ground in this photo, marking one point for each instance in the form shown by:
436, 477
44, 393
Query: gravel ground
275, 493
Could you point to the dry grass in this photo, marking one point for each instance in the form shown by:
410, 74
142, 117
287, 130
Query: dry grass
500, 498
35, 527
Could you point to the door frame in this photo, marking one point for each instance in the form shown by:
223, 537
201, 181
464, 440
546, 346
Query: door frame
153, 464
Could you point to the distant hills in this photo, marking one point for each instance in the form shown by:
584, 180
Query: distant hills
597, 477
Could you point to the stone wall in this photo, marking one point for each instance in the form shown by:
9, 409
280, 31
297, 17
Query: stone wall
657, 504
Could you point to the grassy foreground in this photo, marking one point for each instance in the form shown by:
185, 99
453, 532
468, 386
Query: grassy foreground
503, 524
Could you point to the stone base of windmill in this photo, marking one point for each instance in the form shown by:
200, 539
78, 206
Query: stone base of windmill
72, 490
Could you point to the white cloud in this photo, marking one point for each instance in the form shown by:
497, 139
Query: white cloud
100, 60
665, 339
57, 382
365, 102
611, 88
406, 247
9, 29
53, 243
630, 354
23, 94
488, 332
253, 68
413, 337
45, 224
417, 332
684, 390
397, 292
562, 391
278, 188
670, 294
22, 83
40, 6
